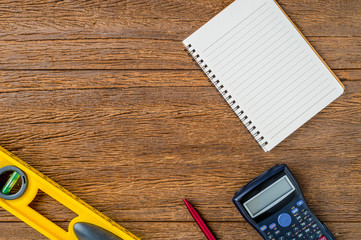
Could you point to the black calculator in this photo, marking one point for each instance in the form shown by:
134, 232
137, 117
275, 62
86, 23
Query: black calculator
274, 205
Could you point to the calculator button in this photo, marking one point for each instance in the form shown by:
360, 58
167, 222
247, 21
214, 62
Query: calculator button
294, 211
289, 234
298, 218
263, 228
302, 224
295, 229
299, 203
322, 238
319, 232
314, 225
284, 219
277, 232
270, 236
300, 235
307, 230
311, 237
272, 226
306, 212
293, 239
309, 219
281, 238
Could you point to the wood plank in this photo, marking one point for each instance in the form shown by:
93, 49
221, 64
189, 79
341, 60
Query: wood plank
23, 80
338, 52
345, 75
39, 20
182, 230
100, 96
155, 146
19, 230
227, 230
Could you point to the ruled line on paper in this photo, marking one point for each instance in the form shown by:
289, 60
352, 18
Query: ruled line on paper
252, 88
251, 52
282, 103
275, 91
243, 66
235, 26
282, 90
268, 73
234, 50
303, 113
239, 35
277, 86
269, 68
276, 117
272, 120
271, 89
258, 63
284, 119
266, 66
285, 73
309, 76
233, 47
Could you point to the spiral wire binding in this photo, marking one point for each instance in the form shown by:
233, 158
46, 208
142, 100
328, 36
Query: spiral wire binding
231, 102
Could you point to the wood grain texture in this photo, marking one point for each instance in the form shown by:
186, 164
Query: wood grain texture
85, 129
148, 34
173, 19
338, 52
181, 230
38, 80
100, 96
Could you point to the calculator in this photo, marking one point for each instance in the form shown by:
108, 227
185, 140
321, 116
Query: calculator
274, 205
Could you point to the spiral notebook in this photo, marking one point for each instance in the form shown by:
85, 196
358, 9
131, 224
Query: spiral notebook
265, 69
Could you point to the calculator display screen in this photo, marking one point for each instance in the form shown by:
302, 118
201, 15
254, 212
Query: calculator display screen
269, 197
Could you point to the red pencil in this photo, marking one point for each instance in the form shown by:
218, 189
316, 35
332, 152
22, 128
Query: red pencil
199, 221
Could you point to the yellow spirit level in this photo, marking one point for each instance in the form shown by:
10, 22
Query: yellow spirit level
89, 224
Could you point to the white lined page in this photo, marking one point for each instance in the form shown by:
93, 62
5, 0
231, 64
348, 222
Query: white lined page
266, 66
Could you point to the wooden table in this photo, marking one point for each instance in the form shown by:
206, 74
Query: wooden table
100, 96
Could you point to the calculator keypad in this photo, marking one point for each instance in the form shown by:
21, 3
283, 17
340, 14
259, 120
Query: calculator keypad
303, 226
